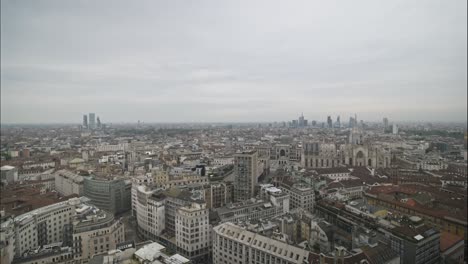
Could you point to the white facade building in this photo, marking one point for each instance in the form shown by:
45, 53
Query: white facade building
301, 196
193, 231
68, 183
43, 226
222, 161
7, 238
149, 211
112, 148
9, 174
395, 129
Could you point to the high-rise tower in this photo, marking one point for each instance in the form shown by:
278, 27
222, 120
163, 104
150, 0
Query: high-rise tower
385, 123
329, 122
92, 120
85, 121
245, 173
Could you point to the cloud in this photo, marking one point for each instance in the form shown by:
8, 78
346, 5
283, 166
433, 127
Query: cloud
161, 61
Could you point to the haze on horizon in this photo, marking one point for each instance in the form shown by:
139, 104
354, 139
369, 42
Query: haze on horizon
230, 61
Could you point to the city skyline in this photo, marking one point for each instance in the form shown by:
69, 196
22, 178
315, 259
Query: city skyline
320, 120
204, 62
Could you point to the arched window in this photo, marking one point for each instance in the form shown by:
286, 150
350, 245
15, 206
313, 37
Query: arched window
282, 153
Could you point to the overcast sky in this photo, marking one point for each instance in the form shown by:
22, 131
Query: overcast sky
161, 61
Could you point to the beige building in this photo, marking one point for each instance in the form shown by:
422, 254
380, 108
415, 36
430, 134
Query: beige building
48, 254
328, 155
149, 211
43, 226
193, 231
234, 244
75, 222
218, 194
7, 238
68, 183
95, 231
301, 196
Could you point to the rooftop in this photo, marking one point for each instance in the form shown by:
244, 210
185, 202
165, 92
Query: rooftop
6, 168
448, 240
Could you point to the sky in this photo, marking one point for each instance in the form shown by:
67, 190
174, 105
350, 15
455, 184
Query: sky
233, 61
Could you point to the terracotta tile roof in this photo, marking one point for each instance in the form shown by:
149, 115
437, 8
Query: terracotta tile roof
448, 240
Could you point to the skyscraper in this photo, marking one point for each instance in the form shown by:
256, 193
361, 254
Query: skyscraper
301, 120
329, 122
85, 121
351, 122
395, 129
338, 122
245, 173
92, 120
98, 122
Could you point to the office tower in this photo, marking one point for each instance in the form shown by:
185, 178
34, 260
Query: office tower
395, 129
85, 121
351, 122
114, 196
98, 122
338, 122
301, 120
415, 242
329, 122
92, 120
385, 123
294, 123
245, 173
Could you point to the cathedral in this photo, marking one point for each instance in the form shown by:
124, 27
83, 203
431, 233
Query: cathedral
354, 153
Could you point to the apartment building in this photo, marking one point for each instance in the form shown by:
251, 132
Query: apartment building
245, 171
44, 226
149, 212
193, 235
274, 205
68, 183
94, 231
301, 195
235, 244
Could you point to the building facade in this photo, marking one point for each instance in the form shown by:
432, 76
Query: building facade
8, 174
149, 212
94, 231
193, 235
245, 171
301, 196
275, 204
68, 183
234, 244
328, 155
114, 196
